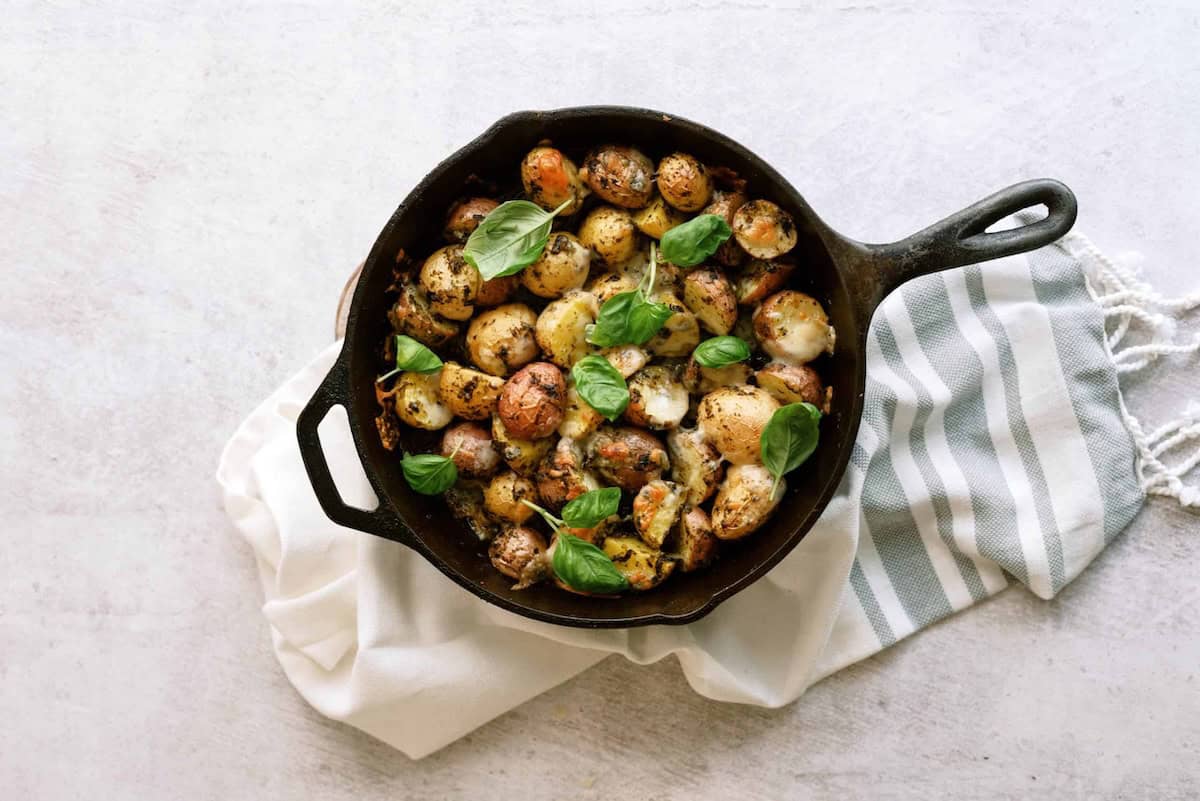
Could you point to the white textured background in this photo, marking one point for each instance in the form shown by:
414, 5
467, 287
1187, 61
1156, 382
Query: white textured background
183, 189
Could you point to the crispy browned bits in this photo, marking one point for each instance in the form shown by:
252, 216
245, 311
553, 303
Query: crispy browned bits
532, 402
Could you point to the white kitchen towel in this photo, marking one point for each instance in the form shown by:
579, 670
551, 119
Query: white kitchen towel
994, 444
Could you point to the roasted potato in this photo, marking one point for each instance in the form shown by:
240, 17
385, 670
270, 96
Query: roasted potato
744, 501
418, 402
683, 182
496, 291
610, 234
733, 419
708, 294
619, 175
412, 316
657, 218
502, 339
561, 329
695, 464
627, 457
680, 335
657, 398
469, 393
695, 542
465, 216
627, 359
655, 510
521, 455
704, 380
642, 566
724, 204
760, 279
793, 328
465, 499
469, 445
764, 230
579, 419
503, 495
789, 383
563, 266
532, 401
609, 285
514, 551
551, 179
561, 476
450, 283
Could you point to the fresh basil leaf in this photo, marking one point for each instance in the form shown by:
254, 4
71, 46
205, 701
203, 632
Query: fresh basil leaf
413, 356
600, 385
645, 320
789, 439
694, 241
721, 351
509, 239
585, 567
612, 324
590, 508
428, 473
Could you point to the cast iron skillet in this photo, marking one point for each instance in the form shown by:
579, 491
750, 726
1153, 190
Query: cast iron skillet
848, 277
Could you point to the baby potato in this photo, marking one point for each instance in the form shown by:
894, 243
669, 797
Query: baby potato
471, 446
465, 216
502, 339
697, 545
531, 403
610, 234
496, 291
764, 230
450, 282
551, 179
465, 499
655, 510
733, 419
627, 359
412, 316
514, 551
724, 204
744, 501
695, 464
657, 218
468, 393
503, 495
697, 378
418, 402
793, 328
789, 383
683, 182
759, 279
608, 285
563, 266
521, 455
708, 294
657, 398
619, 175
561, 476
627, 457
680, 335
642, 566
561, 329
579, 419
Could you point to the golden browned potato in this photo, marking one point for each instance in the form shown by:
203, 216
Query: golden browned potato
418, 402
610, 234
759, 279
504, 494
627, 457
657, 398
563, 266
642, 566
450, 283
502, 339
579, 419
561, 328
733, 419
764, 230
465, 216
704, 380
708, 294
471, 446
412, 316
521, 455
697, 545
744, 501
627, 359
657, 218
789, 383
514, 550
532, 401
609, 285
695, 464
496, 291
683, 182
620, 175
793, 328
551, 179
469, 393
655, 510
724, 204
680, 335
561, 476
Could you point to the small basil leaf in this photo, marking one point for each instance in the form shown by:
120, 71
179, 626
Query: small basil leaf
509, 239
721, 351
585, 567
645, 320
600, 385
612, 324
694, 241
590, 508
428, 473
789, 439
412, 355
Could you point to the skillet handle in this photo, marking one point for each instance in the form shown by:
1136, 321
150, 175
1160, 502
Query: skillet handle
334, 391
960, 239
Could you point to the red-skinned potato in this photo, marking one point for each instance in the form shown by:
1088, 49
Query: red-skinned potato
562, 477
764, 230
532, 401
517, 552
465, 216
627, 457
551, 179
620, 175
469, 445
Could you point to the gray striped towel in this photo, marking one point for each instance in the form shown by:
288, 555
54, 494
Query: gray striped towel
995, 444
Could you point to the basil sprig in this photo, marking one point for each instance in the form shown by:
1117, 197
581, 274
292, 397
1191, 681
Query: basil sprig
510, 238
428, 473
721, 351
576, 561
601, 385
789, 439
694, 241
629, 318
591, 508
412, 356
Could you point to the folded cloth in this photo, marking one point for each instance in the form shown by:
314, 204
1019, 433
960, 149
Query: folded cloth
994, 444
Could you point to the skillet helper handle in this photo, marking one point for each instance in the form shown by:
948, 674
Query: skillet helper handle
961, 238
